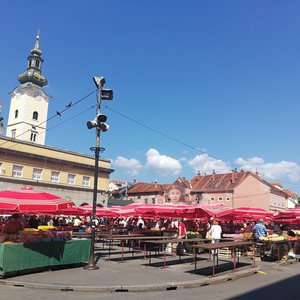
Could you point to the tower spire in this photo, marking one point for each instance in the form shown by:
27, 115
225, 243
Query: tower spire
33, 75
37, 45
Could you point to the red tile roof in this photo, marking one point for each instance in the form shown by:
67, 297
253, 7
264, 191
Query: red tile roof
144, 187
204, 183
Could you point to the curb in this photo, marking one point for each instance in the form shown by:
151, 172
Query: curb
136, 288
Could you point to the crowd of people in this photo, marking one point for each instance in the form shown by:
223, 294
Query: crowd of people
11, 225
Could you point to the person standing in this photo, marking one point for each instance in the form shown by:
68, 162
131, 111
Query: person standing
260, 229
140, 223
33, 222
12, 227
215, 231
181, 235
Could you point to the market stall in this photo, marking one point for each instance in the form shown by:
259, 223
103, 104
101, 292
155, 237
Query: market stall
20, 258
23, 249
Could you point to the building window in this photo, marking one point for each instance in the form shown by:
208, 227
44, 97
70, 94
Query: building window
71, 179
153, 200
212, 198
37, 174
35, 115
146, 201
86, 181
139, 197
13, 133
220, 199
227, 199
16, 113
32, 137
55, 176
17, 171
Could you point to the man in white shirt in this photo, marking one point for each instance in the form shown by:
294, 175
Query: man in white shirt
215, 232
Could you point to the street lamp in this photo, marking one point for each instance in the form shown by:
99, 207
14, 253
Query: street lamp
100, 125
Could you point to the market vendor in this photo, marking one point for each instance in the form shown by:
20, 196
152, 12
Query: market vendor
12, 227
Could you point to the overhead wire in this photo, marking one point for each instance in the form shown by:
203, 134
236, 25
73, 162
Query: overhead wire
71, 105
58, 114
161, 133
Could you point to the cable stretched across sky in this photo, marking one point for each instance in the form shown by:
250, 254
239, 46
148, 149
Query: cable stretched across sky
161, 133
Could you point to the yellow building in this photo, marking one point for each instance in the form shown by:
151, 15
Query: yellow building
66, 174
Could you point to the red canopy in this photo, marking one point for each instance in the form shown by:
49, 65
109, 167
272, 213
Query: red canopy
246, 213
30, 201
289, 216
161, 210
100, 212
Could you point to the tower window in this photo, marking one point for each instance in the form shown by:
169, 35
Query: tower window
32, 137
16, 113
37, 63
35, 115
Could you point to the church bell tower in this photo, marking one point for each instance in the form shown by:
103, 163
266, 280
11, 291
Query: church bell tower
28, 111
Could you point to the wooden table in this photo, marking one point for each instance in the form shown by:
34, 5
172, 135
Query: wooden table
171, 241
132, 238
233, 245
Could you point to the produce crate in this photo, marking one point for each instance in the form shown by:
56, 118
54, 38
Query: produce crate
278, 251
224, 253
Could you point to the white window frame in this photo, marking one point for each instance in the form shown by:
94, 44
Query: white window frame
13, 133
86, 181
220, 198
71, 179
17, 171
37, 174
212, 198
55, 176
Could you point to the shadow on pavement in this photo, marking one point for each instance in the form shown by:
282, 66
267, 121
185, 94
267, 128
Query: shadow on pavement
285, 289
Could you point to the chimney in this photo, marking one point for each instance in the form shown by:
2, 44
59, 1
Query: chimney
233, 176
134, 181
213, 175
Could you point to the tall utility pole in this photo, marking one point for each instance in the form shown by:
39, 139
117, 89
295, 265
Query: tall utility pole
98, 123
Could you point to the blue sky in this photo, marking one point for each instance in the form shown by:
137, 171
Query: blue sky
198, 85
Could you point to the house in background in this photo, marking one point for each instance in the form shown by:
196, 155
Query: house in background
234, 189
67, 174
152, 193
292, 197
238, 189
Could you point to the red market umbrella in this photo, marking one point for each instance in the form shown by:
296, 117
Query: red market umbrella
289, 214
30, 201
246, 213
73, 211
216, 210
100, 212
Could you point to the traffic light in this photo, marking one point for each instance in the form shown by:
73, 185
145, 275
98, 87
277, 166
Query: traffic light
99, 122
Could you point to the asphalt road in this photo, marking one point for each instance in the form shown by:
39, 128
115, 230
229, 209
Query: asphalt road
273, 282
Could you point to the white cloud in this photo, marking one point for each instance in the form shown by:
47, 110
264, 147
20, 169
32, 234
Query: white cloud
162, 164
206, 164
133, 165
274, 171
